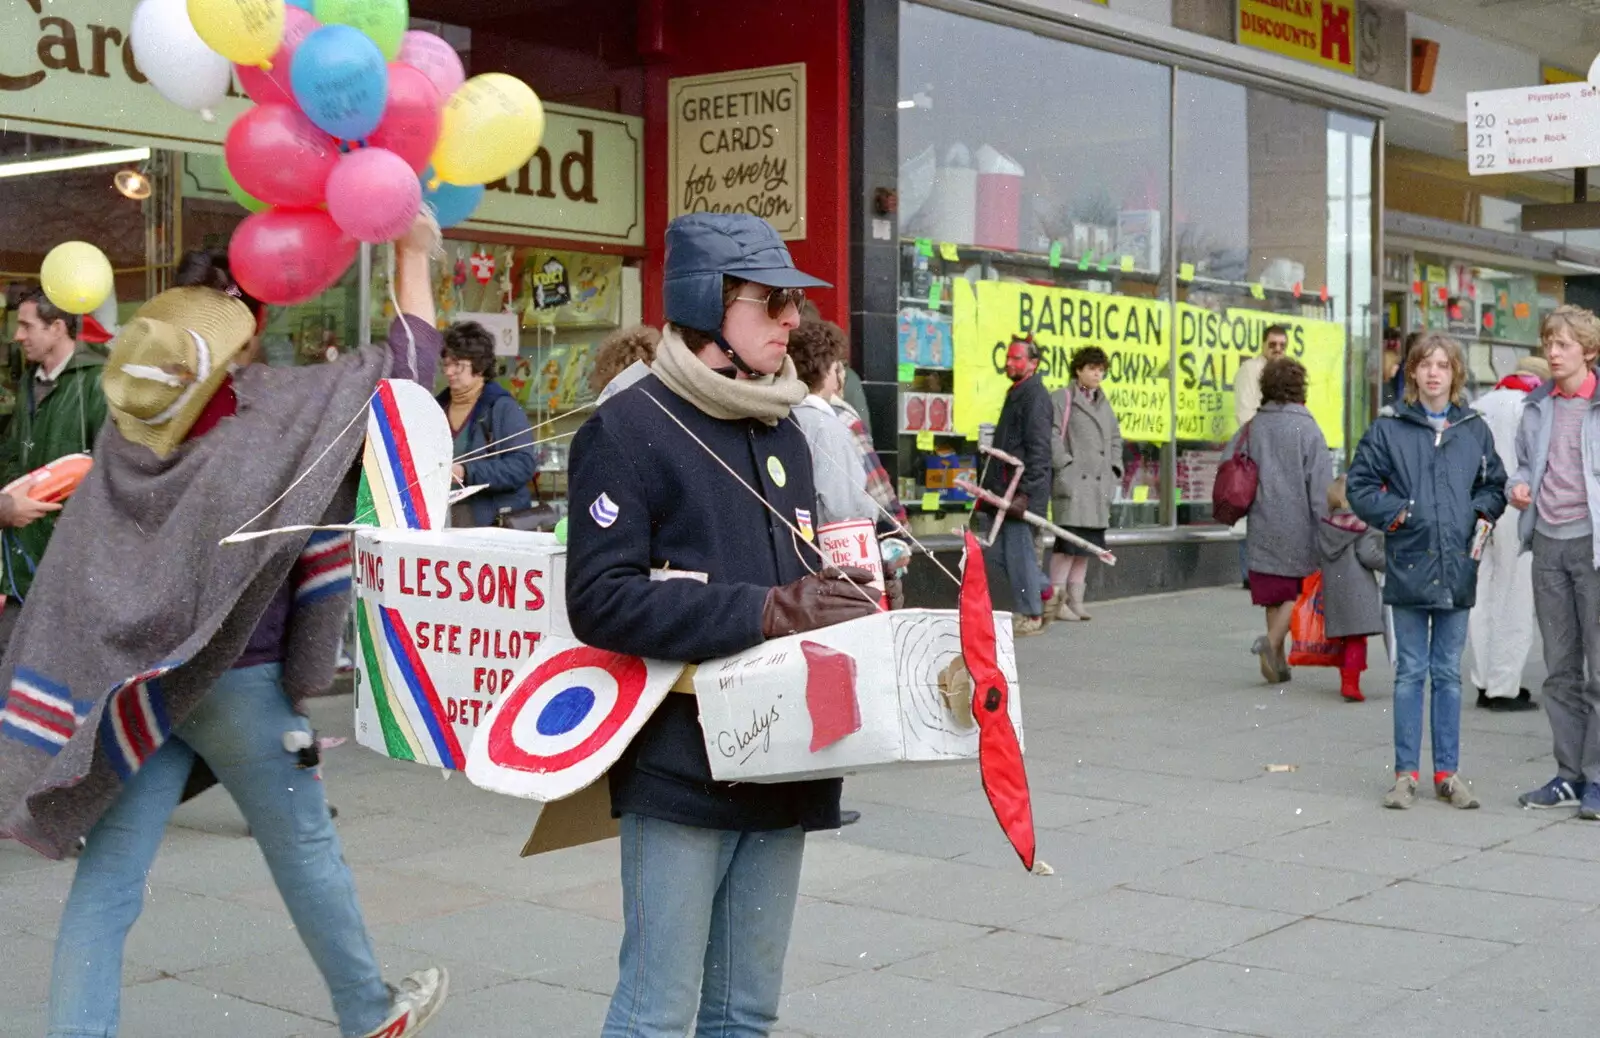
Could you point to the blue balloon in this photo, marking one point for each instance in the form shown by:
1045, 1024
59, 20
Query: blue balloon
341, 81
451, 203
304, 5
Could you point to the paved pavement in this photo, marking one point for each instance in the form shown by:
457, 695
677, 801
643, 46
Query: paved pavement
1195, 893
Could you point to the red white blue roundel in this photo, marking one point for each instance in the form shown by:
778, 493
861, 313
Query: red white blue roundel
564, 709
567, 718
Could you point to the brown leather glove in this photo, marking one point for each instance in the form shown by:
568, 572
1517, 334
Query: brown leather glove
818, 600
1019, 504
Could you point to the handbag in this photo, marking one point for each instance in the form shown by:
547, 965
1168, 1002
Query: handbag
1234, 490
540, 518
1308, 629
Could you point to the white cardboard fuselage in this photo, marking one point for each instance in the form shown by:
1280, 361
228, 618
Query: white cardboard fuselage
759, 725
474, 603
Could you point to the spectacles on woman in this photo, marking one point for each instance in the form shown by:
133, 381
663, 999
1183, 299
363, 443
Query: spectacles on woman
777, 301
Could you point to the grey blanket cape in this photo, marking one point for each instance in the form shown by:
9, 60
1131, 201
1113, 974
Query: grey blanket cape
137, 610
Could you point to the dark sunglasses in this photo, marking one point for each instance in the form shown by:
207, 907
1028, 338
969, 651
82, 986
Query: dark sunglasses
777, 301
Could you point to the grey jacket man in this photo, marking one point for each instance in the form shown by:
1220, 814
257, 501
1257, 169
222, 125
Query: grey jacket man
1533, 453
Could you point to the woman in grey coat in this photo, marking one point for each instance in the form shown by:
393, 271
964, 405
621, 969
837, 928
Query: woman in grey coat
1086, 459
1352, 602
1295, 470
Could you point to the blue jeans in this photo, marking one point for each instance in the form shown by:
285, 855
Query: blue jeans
1428, 645
1021, 562
707, 914
238, 730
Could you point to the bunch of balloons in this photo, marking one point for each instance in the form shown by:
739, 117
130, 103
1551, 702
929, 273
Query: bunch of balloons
358, 122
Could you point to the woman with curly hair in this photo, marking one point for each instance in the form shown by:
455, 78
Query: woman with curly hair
1086, 457
623, 358
1291, 501
837, 466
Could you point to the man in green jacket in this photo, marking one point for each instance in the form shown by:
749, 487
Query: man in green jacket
60, 409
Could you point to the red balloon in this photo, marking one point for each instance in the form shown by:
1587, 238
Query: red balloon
273, 87
286, 256
278, 155
411, 119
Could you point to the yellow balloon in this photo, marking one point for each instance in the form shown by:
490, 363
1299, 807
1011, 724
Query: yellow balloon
76, 277
246, 32
492, 125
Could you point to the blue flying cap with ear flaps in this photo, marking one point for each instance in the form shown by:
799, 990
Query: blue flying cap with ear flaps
703, 247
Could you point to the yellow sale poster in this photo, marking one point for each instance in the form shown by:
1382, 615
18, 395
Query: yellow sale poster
1141, 337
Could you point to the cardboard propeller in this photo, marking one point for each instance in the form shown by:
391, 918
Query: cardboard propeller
1005, 780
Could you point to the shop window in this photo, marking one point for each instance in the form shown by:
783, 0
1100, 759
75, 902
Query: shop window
1493, 310
45, 205
1273, 222
548, 310
1032, 201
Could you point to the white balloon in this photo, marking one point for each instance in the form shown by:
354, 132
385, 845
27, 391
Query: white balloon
176, 60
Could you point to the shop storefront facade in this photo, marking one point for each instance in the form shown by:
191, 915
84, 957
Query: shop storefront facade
1163, 181
1083, 189
556, 257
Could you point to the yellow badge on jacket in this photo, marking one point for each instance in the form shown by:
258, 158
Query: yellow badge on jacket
775, 470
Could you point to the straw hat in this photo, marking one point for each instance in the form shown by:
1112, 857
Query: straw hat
1535, 365
168, 361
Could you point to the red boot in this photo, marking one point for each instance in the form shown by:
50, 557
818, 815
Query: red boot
1350, 668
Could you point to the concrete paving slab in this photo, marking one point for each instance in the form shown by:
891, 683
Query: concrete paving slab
904, 1007
1097, 1023
1563, 879
1046, 968
1459, 912
1325, 846
1235, 880
1157, 923
1364, 954
1253, 1001
866, 938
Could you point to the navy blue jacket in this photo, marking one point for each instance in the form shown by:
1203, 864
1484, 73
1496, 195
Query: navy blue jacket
646, 497
1443, 481
497, 418
1023, 431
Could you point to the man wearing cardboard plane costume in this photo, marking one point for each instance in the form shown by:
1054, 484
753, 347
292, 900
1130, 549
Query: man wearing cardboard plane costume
692, 511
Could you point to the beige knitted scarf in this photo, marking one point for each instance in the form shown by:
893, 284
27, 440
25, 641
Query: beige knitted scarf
767, 399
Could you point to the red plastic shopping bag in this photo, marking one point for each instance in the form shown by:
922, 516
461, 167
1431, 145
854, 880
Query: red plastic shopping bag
1312, 647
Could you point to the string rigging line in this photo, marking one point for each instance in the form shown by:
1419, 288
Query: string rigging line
800, 538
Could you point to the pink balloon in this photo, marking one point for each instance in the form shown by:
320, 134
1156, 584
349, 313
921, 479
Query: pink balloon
286, 256
279, 156
411, 119
435, 59
273, 87
373, 195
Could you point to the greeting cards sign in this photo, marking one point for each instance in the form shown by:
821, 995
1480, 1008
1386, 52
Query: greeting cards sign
736, 144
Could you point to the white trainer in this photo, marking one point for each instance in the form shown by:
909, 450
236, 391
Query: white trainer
416, 1000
